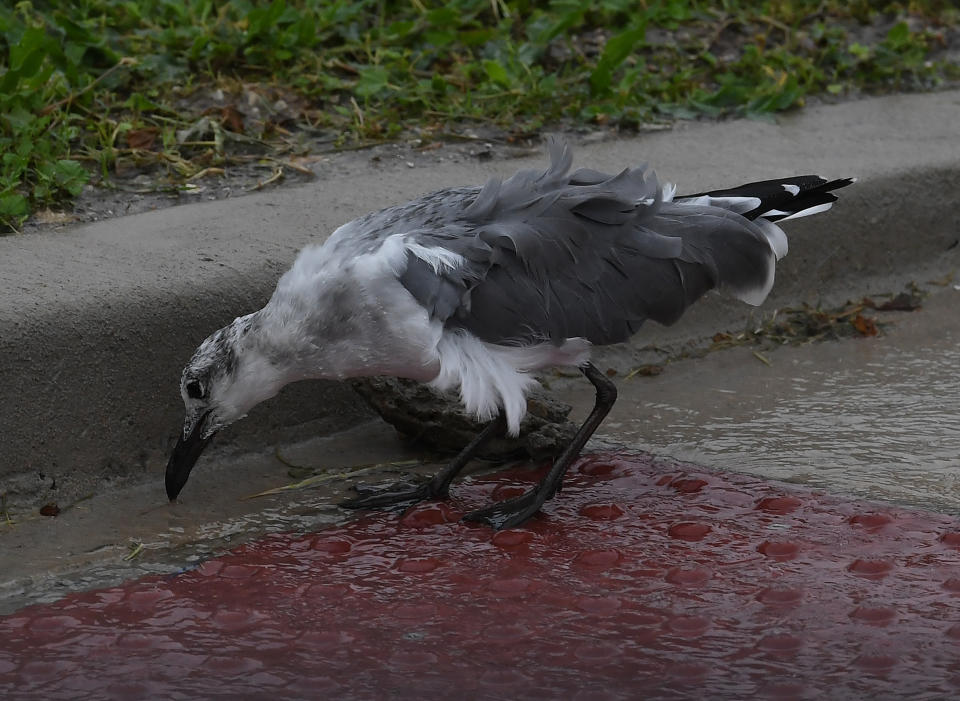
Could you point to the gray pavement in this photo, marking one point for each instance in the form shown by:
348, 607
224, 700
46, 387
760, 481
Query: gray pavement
97, 321
871, 417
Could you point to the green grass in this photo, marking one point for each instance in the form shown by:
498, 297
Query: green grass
93, 88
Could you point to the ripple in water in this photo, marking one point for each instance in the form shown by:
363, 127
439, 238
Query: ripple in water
888, 428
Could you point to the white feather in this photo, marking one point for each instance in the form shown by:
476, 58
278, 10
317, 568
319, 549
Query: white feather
436, 258
775, 236
391, 333
733, 204
816, 209
256, 380
490, 376
739, 205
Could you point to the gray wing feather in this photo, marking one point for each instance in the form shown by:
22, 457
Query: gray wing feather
551, 256
440, 294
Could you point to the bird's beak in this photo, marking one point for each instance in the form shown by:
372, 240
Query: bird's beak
185, 455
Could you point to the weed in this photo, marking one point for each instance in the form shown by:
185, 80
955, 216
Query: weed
95, 89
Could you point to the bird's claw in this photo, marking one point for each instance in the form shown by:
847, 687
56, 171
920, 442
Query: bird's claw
399, 494
510, 512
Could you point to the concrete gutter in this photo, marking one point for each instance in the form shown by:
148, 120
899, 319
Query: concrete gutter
97, 321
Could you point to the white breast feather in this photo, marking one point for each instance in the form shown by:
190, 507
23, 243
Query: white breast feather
491, 376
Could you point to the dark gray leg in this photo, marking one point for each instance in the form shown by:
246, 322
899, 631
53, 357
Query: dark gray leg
513, 512
407, 493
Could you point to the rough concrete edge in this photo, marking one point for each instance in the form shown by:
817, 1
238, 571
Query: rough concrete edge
844, 254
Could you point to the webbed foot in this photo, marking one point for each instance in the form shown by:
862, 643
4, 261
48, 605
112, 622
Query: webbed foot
512, 512
399, 494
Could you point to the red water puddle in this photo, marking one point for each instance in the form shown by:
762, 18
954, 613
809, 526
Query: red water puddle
641, 580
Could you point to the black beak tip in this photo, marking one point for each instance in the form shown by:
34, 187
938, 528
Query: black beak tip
173, 490
183, 458
177, 474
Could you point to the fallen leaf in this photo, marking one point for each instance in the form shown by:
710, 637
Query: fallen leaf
50, 509
865, 325
143, 138
903, 302
645, 371
231, 118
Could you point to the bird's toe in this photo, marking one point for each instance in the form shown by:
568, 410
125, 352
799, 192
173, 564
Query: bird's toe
509, 513
399, 494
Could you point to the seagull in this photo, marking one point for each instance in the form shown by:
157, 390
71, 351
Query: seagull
477, 288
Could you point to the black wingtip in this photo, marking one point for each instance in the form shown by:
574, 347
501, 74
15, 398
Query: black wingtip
783, 198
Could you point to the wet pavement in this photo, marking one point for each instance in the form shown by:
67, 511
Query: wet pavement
129, 532
646, 579
648, 576
874, 417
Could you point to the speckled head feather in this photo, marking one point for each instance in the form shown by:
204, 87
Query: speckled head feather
228, 375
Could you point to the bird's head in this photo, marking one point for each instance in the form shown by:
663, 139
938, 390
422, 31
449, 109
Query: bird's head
227, 376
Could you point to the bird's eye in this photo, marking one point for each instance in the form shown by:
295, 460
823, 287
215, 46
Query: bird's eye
194, 390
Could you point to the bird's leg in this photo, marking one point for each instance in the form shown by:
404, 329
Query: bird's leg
407, 493
513, 512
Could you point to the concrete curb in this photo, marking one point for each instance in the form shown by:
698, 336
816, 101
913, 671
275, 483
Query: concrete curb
97, 321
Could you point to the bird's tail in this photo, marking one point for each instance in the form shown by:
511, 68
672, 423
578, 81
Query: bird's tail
721, 250
768, 201
774, 200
